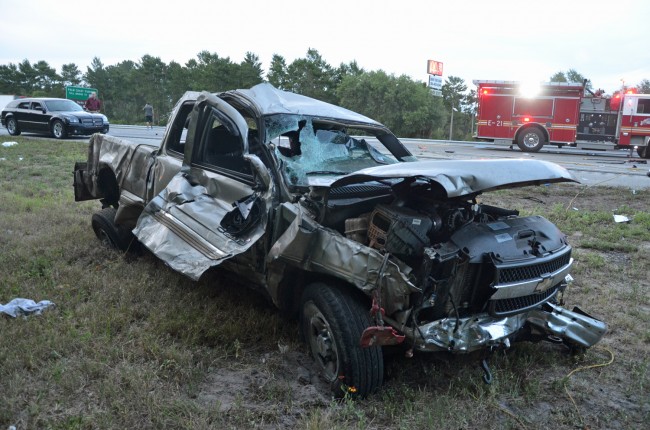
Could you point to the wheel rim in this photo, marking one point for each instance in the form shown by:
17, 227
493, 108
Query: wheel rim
58, 129
11, 126
104, 238
321, 342
531, 140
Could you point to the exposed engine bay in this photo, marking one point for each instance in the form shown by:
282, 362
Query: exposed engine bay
485, 275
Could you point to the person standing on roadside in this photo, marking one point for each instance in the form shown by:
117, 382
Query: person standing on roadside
93, 104
148, 114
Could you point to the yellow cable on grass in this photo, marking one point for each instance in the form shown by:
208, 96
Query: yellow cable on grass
579, 369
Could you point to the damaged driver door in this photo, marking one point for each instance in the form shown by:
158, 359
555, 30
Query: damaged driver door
215, 207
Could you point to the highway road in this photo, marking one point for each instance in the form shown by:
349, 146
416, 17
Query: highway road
592, 168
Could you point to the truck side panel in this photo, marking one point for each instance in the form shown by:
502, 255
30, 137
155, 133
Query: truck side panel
110, 161
635, 120
563, 128
495, 116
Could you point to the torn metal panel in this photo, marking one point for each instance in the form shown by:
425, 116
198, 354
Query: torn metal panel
467, 334
120, 157
574, 326
183, 226
129, 209
463, 177
481, 331
311, 247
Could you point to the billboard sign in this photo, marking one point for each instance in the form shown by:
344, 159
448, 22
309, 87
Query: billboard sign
435, 82
79, 93
434, 67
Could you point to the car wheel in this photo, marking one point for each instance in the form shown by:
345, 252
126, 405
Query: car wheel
332, 322
643, 151
111, 235
58, 129
12, 127
530, 140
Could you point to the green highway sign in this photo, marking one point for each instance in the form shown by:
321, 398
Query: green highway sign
79, 93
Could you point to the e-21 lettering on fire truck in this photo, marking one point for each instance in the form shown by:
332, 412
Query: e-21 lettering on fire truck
562, 114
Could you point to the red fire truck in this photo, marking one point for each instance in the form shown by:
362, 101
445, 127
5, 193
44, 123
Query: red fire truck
562, 114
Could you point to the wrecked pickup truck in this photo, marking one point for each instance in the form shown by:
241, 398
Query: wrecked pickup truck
367, 245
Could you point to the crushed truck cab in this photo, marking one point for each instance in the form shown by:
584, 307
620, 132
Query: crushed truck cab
325, 212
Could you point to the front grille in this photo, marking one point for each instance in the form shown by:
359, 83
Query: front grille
533, 271
92, 122
504, 307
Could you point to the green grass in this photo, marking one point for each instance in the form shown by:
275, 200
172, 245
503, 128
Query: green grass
132, 344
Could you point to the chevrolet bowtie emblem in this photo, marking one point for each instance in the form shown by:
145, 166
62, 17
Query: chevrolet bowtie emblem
544, 284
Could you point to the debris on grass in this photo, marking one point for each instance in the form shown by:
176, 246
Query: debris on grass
18, 307
621, 218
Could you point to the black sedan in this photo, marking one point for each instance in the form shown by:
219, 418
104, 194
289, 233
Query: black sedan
58, 117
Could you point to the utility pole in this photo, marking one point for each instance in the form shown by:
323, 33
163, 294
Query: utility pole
472, 124
451, 124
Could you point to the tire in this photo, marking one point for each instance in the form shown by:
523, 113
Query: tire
110, 234
530, 140
332, 321
12, 127
58, 129
643, 151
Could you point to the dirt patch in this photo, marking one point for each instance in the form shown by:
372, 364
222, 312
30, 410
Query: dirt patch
282, 383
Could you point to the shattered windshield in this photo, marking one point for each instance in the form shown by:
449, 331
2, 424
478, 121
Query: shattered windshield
311, 147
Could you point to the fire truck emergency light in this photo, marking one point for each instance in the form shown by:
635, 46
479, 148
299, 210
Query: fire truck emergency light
526, 119
529, 89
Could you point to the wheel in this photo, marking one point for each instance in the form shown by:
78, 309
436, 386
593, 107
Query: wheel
530, 140
12, 127
58, 129
110, 234
643, 151
332, 322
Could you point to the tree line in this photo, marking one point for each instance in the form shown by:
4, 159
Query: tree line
406, 106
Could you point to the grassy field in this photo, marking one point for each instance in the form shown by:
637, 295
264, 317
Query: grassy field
132, 344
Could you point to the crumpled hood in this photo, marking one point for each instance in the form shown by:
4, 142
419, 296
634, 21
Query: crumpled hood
463, 177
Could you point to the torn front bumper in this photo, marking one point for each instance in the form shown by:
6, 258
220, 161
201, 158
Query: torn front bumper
482, 331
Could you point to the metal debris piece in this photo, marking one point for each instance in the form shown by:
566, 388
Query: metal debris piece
621, 218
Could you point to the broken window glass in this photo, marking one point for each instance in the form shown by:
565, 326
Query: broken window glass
311, 147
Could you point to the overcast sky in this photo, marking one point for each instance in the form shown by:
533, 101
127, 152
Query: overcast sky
606, 41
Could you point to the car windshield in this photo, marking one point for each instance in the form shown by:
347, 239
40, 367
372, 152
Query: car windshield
313, 147
62, 106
